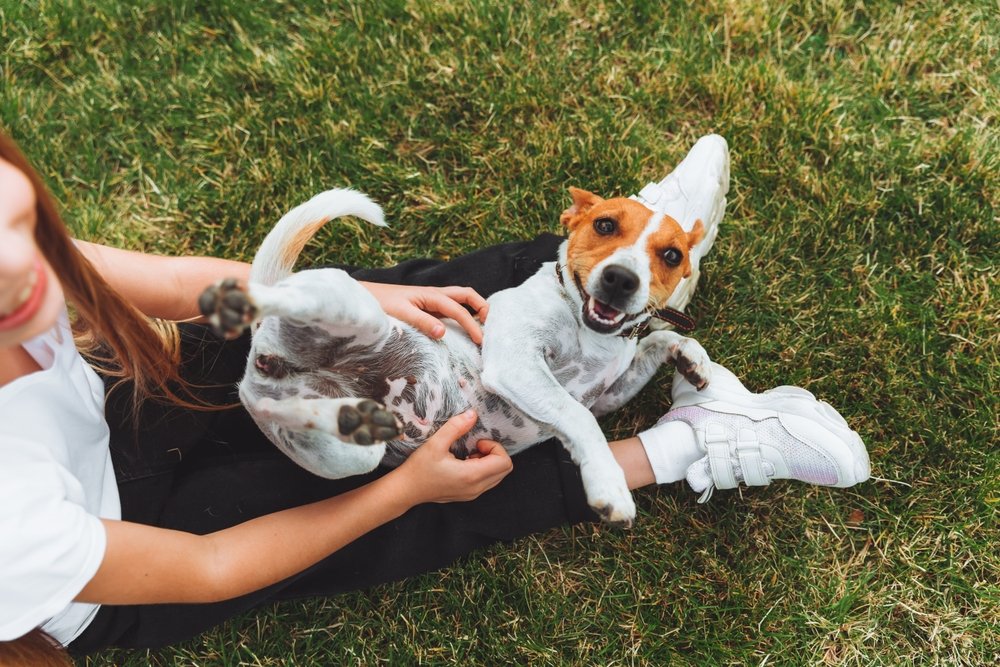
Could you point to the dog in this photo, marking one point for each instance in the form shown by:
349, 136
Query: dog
340, 387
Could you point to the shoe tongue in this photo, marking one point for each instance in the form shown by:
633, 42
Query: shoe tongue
699, 475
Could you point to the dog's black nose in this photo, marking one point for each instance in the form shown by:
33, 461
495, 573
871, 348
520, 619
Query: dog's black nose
618, 283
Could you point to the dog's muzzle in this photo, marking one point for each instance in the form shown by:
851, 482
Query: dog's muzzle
617, 287
604, 310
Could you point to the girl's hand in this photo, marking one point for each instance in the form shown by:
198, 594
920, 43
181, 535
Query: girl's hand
422, 307
434, 475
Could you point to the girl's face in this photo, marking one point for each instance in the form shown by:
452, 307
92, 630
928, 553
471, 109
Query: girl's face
30, 296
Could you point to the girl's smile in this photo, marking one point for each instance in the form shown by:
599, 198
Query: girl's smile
30, 296
28, 300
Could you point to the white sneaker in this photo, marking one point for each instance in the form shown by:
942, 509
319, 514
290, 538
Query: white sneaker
783, 433
695, 190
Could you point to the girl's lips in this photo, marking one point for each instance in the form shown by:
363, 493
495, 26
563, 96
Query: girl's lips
30, 305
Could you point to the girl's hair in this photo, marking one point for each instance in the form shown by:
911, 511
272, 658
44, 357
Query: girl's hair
112, 334
115, 338
35, 649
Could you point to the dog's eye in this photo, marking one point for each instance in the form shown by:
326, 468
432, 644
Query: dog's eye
672, 256
605, 226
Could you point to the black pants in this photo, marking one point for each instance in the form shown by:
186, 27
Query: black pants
204, 471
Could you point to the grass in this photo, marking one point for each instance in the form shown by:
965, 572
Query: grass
858, 258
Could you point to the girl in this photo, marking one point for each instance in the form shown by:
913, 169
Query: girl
151, 516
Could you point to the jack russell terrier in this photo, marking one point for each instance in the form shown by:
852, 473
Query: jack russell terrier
340, 387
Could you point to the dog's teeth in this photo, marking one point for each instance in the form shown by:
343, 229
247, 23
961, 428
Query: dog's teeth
592, 312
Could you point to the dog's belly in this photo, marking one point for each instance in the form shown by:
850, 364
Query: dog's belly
423, 381
449, 385
455, 385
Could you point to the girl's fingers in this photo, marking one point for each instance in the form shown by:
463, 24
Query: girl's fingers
493, 459
424, 322
452, 430
445, 306
469, 297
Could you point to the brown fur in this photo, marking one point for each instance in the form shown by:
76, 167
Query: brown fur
294, 247
587, 248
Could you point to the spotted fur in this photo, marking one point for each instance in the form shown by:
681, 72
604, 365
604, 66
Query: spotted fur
321, 342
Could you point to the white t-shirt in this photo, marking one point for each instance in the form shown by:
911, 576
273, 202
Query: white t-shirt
56, 479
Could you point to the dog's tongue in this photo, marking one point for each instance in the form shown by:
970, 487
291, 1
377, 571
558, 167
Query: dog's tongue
607, 312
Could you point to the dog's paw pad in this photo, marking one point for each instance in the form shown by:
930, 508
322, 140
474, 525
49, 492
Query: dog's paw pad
609, 497
227, 307
692, 362
611, 516
692, 372
367, 423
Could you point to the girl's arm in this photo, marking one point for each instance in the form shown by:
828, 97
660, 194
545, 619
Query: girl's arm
168, 288
147, 565
161, 286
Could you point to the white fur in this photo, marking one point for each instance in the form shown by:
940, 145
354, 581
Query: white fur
541, 372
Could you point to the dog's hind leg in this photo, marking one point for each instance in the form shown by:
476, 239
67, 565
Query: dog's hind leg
325, 298
329, 437
357, 421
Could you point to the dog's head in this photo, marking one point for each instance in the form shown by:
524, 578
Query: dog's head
624, 259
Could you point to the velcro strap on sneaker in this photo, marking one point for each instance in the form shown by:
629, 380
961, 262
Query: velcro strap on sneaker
720, 459
650, 195
751, 463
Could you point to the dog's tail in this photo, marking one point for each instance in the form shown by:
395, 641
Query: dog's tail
284, 243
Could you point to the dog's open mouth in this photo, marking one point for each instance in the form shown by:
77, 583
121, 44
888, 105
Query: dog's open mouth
600, 316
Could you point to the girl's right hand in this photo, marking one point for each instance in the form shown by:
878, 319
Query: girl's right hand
434, 475
145, 564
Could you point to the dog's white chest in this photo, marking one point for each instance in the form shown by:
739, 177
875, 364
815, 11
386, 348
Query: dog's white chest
587, 367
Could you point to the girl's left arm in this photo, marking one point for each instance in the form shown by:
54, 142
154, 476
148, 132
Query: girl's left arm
161, 286
168, 288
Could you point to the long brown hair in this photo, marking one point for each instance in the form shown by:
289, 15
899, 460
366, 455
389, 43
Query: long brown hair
113, 335
115, 338
35, 649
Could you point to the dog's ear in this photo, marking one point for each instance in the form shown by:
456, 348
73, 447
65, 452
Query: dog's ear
583, 201
696, 234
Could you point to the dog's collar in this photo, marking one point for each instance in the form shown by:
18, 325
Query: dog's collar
668, 315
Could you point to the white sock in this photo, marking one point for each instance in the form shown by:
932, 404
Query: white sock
671, 448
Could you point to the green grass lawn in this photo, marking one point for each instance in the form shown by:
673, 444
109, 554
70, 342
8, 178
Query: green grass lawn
858, 258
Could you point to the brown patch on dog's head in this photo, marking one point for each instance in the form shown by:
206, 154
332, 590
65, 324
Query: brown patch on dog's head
583, 201
669, 244
599, 227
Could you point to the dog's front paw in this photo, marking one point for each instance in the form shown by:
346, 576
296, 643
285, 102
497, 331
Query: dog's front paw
608, 496
228, 308
691, 361
366, 423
